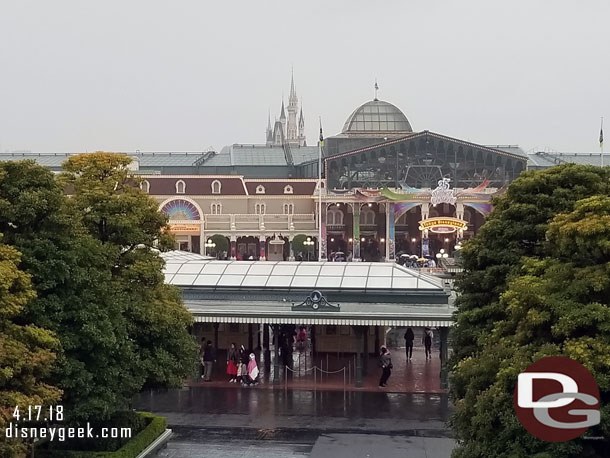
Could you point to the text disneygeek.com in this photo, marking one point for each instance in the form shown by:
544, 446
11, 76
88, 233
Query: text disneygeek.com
61, 433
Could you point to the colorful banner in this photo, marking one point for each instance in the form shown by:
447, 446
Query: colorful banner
425, 249
391, 240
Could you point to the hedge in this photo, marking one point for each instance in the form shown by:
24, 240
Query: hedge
131, 449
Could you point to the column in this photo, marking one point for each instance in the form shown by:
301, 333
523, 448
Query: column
216, 325
250, 347
359, 330
425, 213
390, 242
276, 360
233, 247
290, 239
365, 352
444, 355
356, 231
262, 242
377, 343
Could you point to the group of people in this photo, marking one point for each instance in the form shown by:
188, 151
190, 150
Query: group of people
241, 364
385, 360
426, 340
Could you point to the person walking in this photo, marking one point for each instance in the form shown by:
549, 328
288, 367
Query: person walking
252, 371
409, 338
209, 358
386, 367
232, 362
427, 340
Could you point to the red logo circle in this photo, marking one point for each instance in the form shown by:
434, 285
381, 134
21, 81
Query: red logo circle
543, 405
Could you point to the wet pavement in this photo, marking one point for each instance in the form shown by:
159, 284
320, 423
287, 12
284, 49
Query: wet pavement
251, 422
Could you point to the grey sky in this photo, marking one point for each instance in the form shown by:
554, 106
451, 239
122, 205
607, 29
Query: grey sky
183, 75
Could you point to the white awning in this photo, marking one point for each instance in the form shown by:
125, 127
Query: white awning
325, 321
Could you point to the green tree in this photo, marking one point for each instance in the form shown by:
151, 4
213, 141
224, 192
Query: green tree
128, 223
298, 247
556, 303
27, 352
76, 297
222, 244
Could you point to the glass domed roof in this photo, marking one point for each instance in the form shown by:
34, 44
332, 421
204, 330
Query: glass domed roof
377, 116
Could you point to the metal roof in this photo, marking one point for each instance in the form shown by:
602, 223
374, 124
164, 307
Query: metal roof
549, 159
377, 116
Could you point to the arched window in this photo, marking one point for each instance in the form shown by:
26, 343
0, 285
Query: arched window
367, 217
259, 209
260, 189
216, 185
334, 217
180, 187
288, 189
216, 208
145, 186
288, 209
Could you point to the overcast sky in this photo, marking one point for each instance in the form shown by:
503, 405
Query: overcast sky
183, 75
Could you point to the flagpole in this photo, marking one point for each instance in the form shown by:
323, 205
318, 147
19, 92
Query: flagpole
320, 193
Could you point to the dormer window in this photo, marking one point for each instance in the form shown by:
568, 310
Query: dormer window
180, 187
216, 185
145, 186
288, 189
260, 189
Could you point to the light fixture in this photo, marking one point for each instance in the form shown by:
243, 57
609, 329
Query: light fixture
370, 204
413, 240
442, 250
350, 240
446, 239
382, 240
363, 239
332, 239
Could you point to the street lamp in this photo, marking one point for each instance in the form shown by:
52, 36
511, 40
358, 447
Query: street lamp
309, 243
442, 254
458, 247
209, 244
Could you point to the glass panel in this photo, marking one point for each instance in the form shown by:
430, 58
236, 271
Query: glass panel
172, 268
214, 268
329, 282
279, 280
400, 283
379, 282
303, 282
237, 268
191, 268
261, 269
357, 271
308, 270
283, 269
332, 270
206, 280
353, 282
230, 280
255, 280
183, 280
168, 278
380, 271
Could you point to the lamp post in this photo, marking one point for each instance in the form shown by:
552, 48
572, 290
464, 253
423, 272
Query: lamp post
441, 254
309, 244
209, 244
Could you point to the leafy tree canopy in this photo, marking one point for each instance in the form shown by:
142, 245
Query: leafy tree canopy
27, 352
555, 302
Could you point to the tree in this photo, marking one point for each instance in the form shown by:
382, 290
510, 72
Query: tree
129, 225
76, 296
556, 303
297, 244
27, 352
515, 228
222, 244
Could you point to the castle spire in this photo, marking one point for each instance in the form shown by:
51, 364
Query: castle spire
283, 112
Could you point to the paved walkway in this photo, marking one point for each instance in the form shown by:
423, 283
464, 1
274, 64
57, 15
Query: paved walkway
336, 372
249, 422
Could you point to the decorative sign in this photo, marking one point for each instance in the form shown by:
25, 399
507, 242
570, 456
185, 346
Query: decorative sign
184, 228
443, 194
443, 225
316, 301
